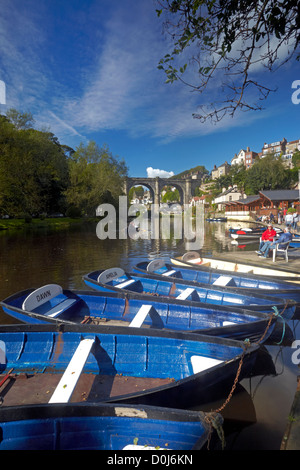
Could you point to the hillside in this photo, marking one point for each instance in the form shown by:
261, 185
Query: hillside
199, 168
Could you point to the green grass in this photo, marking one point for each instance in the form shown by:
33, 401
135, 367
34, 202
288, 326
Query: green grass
59, 222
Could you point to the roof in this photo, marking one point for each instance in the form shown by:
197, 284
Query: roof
281, 195
245, 201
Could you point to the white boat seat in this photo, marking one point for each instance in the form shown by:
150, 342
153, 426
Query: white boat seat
124, 284
68, 382
169, 273
59, 308
224, 281
189, 291
2, 352
201, 363
140, 316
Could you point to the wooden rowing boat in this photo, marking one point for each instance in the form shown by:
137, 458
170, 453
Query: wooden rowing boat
103, 426
193, 259
151, 284
42, 364
54, 305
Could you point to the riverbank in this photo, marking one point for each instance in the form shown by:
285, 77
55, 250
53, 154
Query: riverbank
47, 222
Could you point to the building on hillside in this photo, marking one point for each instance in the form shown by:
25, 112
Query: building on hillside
276, 148
250, 158
227, 195
246, 157
287, 157
239, 158
221, 170
293, 146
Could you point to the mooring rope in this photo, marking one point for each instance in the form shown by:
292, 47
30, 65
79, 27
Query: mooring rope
211, 417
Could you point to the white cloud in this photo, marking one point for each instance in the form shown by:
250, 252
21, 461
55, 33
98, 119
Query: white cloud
154, 172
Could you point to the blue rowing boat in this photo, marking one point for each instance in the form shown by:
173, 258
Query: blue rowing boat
76, 426
52, 304
116, 279
242, 282
42, 364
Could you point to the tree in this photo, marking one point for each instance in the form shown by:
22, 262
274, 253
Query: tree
33, 171
268, 173
222, 42
96, 177
20, 120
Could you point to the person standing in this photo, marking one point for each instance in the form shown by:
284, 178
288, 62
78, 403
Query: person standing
295, 220
288, 219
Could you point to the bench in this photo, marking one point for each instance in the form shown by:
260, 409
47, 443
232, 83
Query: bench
44, 294
68, 382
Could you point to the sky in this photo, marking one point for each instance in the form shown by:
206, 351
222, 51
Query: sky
87, 70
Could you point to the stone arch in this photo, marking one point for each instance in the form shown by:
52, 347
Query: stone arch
155, 185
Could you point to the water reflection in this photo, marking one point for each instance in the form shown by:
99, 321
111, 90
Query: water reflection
257, 414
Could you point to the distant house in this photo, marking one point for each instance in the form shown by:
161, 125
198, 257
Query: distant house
275, 148
227, 195
246, 157
250, 157
220, 170
239, 158
199, 200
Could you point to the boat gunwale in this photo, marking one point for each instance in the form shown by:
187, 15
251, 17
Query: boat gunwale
179, 262
159, 277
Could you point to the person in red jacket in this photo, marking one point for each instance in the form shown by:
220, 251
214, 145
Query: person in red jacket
266, 240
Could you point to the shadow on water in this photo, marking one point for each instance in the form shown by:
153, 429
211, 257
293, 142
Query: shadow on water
256, 415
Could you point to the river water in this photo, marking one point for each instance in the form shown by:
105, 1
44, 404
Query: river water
257, 414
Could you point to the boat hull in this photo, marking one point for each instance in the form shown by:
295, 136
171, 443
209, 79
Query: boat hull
103, 308
151, 284
101, 427
138, 368
241, 282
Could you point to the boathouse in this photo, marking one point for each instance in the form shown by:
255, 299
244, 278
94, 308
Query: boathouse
263, 203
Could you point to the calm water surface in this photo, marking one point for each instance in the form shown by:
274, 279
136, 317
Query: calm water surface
256, 416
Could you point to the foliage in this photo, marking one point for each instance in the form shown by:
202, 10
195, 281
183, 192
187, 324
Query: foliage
199, 168
20, 120
296, 159
268, 173
135, 191
33, 171
96, 177
171, 196
39, 175
218, 45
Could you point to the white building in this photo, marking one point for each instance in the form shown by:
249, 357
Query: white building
227, 195
239, 158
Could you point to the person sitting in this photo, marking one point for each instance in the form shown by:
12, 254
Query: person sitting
266, 239
284, 238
